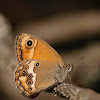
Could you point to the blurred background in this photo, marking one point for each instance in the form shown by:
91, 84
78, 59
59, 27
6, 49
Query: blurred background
71, 27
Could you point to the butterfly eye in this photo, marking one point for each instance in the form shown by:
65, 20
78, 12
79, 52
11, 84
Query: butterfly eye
37, 64
29, 43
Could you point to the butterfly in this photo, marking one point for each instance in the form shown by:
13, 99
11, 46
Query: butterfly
39, 67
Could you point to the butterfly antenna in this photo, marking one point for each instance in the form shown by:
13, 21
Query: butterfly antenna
70, 67
82, 58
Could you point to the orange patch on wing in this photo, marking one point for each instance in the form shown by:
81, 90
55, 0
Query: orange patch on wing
18, 40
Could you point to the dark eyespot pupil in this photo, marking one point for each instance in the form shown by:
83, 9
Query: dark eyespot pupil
37, 64
25, 67
24, 72
29, 43
30, 89
29, 76
29, 82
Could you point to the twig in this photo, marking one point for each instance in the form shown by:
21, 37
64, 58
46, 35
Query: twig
71, 92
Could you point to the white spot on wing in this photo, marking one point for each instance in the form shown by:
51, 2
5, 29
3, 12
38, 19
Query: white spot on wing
18, 81
18, 73
31, 70
21, 67
27, 62
22, 88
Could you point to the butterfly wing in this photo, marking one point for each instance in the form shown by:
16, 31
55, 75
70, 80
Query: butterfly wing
32, 76
38, 64
31, 47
